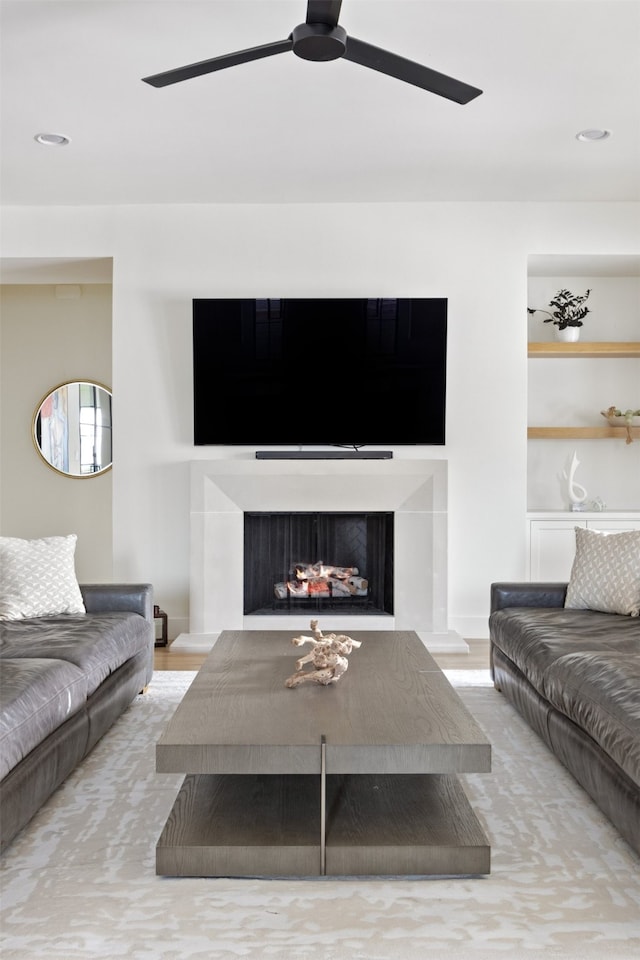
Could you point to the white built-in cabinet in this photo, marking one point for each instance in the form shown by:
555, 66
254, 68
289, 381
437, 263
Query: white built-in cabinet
552, 539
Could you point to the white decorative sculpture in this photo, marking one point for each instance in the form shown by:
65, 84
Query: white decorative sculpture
328, 656
575, 491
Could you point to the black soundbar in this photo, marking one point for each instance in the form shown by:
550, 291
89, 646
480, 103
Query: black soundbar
324, 455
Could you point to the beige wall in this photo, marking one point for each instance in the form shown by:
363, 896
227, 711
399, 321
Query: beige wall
46, 339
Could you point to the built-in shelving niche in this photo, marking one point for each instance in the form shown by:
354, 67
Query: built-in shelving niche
615, 319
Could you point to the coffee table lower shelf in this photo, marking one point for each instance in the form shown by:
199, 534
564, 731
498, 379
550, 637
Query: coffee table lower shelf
270, 826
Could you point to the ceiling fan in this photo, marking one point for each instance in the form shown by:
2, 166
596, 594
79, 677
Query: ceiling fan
321, 38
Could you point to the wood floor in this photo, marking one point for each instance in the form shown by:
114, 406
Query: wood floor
476, 659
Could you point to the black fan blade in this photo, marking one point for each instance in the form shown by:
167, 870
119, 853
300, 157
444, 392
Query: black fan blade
394, 66
219, 63
324, 11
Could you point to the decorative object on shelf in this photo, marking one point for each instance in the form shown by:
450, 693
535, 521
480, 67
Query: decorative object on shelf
568, 334
630, 418
598, 505
328, 657
575, 491
568, 313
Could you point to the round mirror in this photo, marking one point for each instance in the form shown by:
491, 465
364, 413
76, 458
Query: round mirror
72, 428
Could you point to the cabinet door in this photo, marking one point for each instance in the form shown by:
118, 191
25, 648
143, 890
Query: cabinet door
552, 548
552, 544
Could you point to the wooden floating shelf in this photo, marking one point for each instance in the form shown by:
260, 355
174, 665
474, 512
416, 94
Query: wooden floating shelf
603, 348
580, 433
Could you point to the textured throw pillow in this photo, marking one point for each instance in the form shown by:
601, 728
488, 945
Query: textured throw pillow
606, 572
38, 578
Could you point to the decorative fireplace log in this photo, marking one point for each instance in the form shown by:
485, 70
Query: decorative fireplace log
296, 588
320, 580
359, 585
341, 588
306, 571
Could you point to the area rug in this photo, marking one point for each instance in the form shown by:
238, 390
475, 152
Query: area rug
79, 883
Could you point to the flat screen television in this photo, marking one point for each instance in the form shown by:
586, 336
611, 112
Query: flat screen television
319, 372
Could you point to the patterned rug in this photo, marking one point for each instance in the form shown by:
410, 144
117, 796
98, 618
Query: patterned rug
79, 883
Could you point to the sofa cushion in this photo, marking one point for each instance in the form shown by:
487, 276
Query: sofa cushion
535, 638
586, 664
38, 577
605, 574
600, 692
97, 643
36, 696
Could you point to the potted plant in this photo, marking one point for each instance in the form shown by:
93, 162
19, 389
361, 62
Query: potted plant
567, 315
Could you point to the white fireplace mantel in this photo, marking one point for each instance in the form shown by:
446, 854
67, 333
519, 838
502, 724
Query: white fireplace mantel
223, 490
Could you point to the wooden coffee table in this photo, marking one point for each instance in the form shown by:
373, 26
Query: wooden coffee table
353, 779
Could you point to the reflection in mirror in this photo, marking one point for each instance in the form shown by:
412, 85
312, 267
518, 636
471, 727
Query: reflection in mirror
72, 428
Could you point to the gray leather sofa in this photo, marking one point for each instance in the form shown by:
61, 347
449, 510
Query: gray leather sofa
64, 680
574, 675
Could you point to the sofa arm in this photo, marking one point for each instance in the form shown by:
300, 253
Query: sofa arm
527, 595
131, 597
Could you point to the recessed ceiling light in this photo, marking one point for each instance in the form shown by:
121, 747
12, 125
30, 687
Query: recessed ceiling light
590, 136
52, 139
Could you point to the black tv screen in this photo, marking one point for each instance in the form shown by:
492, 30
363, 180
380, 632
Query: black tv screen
342, 372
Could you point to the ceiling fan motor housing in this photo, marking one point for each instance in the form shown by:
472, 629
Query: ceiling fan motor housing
319, 41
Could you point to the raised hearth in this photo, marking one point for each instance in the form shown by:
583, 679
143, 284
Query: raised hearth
416, 492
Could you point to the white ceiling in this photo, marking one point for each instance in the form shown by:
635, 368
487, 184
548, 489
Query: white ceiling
283, 129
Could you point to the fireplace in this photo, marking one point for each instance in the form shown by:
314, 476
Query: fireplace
310, 562
414, 491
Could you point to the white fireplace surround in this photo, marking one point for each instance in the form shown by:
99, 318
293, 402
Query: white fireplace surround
416, 492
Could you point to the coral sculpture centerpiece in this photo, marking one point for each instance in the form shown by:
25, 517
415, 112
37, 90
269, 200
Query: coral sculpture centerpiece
328, 657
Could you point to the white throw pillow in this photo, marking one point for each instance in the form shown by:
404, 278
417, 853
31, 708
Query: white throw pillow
38, 577
605, 574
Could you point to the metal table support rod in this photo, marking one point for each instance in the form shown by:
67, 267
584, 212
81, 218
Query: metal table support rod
323, 805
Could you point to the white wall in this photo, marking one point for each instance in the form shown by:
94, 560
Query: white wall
474, 254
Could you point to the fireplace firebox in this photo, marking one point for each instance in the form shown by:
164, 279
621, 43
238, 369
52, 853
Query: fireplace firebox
316, 561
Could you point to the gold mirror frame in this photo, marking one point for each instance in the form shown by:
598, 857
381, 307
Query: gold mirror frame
71, 429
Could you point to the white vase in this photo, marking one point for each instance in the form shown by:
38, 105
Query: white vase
568, 335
